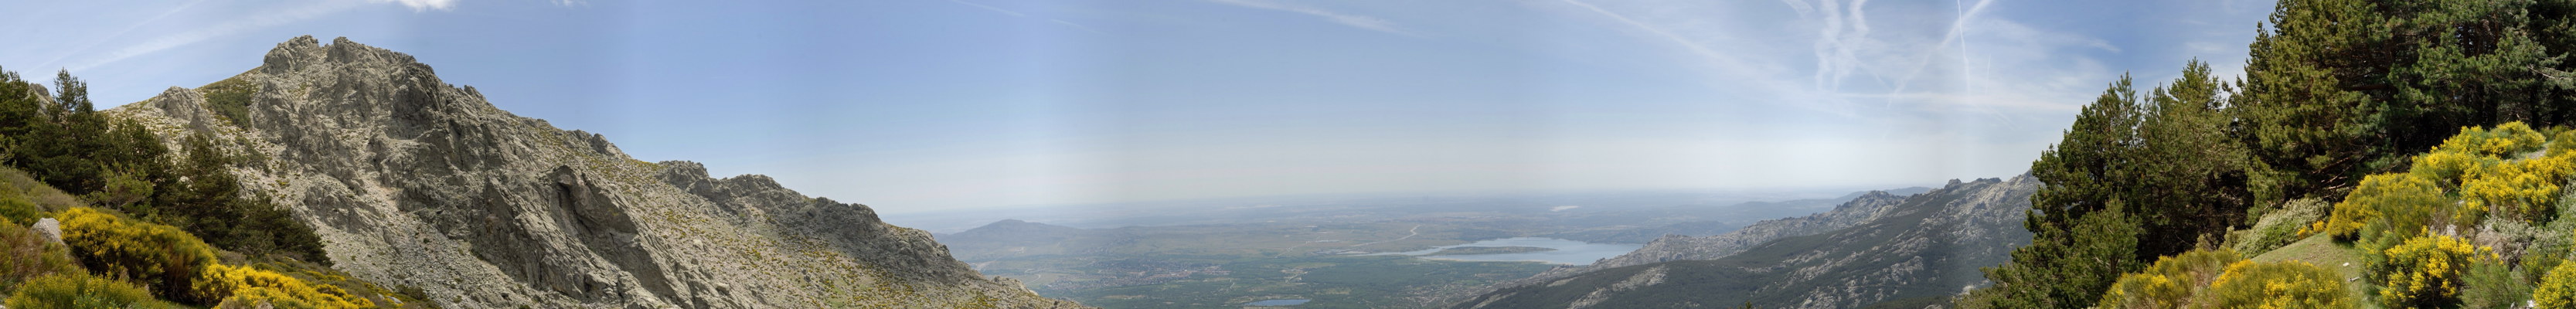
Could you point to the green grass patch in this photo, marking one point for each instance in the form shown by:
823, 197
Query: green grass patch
2322, 250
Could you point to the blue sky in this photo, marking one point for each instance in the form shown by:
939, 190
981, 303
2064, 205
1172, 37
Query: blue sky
924, 105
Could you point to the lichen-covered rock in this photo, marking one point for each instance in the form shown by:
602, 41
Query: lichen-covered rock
416, 183
49, 230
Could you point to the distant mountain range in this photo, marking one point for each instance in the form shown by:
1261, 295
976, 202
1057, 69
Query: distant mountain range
1878, 248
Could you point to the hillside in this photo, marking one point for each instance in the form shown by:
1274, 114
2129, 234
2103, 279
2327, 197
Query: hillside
1925, 245
416, 183
1855, 208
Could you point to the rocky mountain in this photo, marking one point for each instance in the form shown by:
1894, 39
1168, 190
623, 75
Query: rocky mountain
419, 184
1675, 247
1887, 248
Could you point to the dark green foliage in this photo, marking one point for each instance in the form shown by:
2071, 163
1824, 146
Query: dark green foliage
230, 98
2069, 270
208, 204
69, 145
71, 94
121, 165
2493, 285
2342, 88
16, 209
2165, 162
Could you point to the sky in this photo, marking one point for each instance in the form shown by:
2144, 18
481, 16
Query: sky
945, 105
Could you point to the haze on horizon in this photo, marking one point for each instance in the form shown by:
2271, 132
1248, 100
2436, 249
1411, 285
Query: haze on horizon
923, 105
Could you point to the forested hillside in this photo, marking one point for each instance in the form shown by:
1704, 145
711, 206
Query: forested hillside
2425, 141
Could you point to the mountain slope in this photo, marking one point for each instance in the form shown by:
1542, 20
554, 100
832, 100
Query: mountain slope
1671, 247
417, 183
1927, 245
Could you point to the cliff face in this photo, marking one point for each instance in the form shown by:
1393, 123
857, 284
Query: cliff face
420, 184
1925, 245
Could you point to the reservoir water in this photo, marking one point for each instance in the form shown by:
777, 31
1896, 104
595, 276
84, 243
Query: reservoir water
1277, 302
1567, 252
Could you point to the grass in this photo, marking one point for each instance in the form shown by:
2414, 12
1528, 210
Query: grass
2323, 251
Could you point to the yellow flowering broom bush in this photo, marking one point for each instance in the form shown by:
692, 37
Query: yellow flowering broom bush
158, 257
2424, 271
2290, 284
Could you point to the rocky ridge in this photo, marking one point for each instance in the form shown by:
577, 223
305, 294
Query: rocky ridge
1869, 205
418, 184
1927, 245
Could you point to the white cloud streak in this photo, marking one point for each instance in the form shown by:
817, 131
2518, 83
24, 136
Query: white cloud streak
991, 8
2013, 69
233, 27
1026, 15
1353, 20
425, 5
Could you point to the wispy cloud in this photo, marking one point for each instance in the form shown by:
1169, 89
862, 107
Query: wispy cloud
230, 28
424, 5
1738, 69
1026, 15
1353, 20
443, 5
991, 8
1921, 68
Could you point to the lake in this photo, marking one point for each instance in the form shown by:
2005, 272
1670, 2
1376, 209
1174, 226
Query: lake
1567, 252
1277, 302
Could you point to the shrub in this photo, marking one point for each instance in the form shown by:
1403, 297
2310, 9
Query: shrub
2492, 284
2558, 290
2525, 189
2560, 144
2170, 282
122, 189
2403, 202
17, 210
2424, 271
159, 257
245, 286
25, 255
71, 291
2278, 227
2291, 284
2506, 139
231, 98
2448, 167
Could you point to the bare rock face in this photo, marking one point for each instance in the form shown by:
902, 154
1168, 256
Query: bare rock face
417, 183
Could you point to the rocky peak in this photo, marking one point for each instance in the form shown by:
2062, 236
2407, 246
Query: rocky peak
187, 106
415, 183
